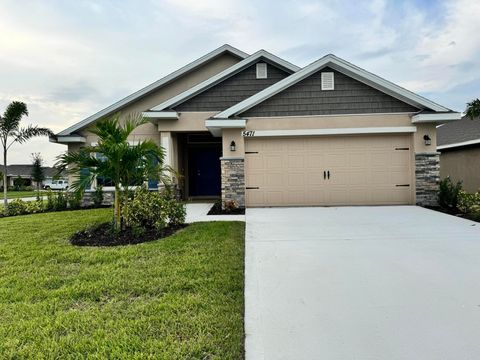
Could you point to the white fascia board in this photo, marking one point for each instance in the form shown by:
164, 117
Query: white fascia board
68, 139
215, 126
160, 115
232, 70
163, 81
440, 117
464, 143
334, 131
342, 66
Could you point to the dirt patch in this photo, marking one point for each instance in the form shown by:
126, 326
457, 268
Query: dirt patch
104, 235
217, 210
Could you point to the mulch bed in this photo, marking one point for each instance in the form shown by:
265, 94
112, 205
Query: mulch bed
454, 212
103, 235
217, 210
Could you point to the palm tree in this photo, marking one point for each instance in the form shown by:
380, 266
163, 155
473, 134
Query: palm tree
114, 158
11, 133
473, 109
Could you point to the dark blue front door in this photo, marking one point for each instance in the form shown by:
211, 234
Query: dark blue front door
204, 171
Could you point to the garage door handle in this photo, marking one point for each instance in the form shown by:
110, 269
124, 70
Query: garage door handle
324, 175
328, 174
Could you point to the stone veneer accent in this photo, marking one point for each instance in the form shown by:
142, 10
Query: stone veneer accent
427, 178
233, 180
108, 197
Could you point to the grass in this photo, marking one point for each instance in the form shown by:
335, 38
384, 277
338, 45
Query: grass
21, 194
176, 298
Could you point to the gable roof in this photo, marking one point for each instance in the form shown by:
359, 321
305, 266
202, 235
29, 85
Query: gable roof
25, 170
344, 67
154, 86
458, 133
225, 74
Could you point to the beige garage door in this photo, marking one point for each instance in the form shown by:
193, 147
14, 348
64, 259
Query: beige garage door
335, 170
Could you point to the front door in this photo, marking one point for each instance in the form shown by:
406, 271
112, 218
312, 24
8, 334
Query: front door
204, 171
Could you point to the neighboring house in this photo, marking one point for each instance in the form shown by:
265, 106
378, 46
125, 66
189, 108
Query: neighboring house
459, 145
25, 172
260, 131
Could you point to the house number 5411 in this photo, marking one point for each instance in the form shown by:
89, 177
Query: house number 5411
248, 133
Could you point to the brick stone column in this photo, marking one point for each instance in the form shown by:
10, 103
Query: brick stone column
233, 180
427, 178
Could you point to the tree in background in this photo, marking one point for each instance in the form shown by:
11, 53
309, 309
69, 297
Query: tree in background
38, 175
473, 109
11, 133
114, 158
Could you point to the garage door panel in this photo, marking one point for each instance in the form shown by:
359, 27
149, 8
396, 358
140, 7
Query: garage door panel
363, 169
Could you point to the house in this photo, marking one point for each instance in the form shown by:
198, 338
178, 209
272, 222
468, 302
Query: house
260, 131
459, 146
24, 172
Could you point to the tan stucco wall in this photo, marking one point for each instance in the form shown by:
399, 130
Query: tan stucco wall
419, 143
462, 165
229, 135
327, 122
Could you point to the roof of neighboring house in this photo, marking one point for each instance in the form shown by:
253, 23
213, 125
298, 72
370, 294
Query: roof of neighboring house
154, 86
459, 133
342, 66
25, 170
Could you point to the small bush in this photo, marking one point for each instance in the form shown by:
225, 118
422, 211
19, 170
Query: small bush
74, 200
230, 205
152, 209
448, 194
468, 203
17, 207
34, 207
97, 196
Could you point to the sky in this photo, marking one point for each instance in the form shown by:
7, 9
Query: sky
69, 59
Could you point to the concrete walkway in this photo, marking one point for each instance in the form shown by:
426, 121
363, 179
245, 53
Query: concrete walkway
397, 283
198, 212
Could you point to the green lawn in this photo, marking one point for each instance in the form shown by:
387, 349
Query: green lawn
21, 194
177, 298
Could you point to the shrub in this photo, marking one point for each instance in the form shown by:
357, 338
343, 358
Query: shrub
152, 209
56, 201
74, 200
230, 205
17, 207
448, 194
97, 196
33, 207
468, 202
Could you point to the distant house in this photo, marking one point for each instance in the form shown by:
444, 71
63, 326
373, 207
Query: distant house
24, 171
459, 145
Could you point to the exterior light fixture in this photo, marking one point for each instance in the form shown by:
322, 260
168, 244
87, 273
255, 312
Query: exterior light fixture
427, 140
233, 146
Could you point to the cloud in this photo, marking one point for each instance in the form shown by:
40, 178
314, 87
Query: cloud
68, 60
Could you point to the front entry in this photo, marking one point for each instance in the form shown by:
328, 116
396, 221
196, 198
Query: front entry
204, 171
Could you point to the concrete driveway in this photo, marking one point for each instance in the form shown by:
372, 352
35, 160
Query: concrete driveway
361, 283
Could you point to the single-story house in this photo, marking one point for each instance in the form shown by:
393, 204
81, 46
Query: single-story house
24, 171
459, 146
260, 131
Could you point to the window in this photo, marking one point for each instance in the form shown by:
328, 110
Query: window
328, 81
261, 70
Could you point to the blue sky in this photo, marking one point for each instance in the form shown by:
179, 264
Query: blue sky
69, 59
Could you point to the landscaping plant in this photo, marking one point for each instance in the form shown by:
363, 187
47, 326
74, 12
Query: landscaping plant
38, 175
11, 133
449, 193
124, 164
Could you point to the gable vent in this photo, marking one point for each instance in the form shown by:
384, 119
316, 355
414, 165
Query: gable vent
327, 81
261, 70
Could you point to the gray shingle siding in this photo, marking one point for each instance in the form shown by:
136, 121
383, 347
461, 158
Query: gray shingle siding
232, 90
349, 97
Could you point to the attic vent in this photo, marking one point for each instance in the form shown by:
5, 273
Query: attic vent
261, 70
327, 81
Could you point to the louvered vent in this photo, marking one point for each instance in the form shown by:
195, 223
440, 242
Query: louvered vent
261, 70
327, 81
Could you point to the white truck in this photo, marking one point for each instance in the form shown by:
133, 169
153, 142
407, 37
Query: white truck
56, 185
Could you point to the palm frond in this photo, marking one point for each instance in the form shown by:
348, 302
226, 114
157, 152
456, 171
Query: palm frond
26, 133
11, 117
